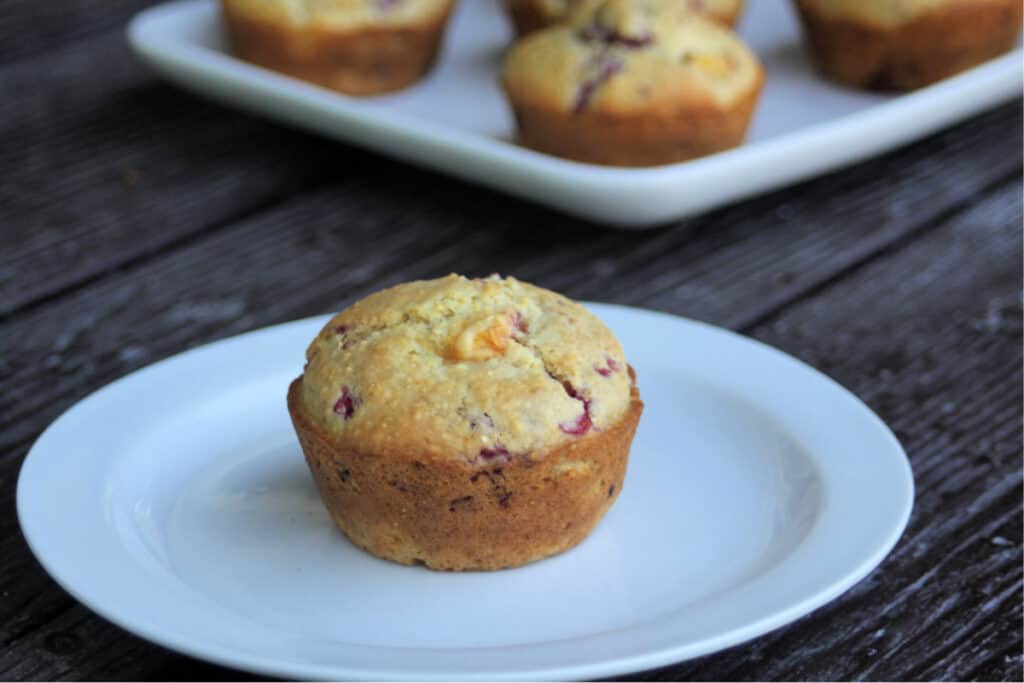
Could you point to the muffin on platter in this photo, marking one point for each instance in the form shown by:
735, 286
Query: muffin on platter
904, 45
632, 83
358, 47
466, 423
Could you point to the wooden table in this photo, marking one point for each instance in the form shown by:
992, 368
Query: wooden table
137, 221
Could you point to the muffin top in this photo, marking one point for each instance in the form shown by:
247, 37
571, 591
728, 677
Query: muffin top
477, 371
340, 13
625, 56
558, 10
881, 12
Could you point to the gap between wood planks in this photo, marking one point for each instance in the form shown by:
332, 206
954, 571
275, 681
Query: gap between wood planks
881, 251
138, 259
833, 654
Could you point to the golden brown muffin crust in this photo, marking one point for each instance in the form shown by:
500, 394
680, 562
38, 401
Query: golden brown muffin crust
450, 515
621, 55
358, 47
466, 424
632, 83
880, 12
909, 44
477, 371
341, 15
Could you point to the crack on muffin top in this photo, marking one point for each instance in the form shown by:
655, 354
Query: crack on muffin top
609, 30
480, 371
597, 71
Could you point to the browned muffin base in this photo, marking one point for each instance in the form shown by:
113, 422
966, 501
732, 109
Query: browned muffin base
448, 515
636, 139
927, 49
365, 62
526, 17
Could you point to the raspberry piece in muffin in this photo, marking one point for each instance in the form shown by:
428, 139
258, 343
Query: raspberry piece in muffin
632, 83
610, 365
347, 404
358, 47
472, 427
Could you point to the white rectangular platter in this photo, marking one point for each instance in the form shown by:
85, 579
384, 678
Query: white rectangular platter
456, 121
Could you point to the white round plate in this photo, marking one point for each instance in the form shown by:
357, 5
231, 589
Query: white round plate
176, 503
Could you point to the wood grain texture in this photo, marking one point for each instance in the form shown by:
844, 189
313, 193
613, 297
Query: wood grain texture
936, 353
323, 249
137, 166
30, 27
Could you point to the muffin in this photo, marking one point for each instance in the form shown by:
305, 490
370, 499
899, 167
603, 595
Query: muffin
889, 45
466, 424
358, 47
632, 83
531, 15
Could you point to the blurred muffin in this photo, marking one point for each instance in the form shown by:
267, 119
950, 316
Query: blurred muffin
632, 83
906, 44
530, 15
466, 424
358, 47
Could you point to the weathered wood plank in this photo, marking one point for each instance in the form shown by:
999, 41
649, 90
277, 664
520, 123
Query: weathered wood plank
30, 27
138, 166
935, 349
101, 172
932, 313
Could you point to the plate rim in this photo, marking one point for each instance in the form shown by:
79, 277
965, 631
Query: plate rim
597, 667
560, 183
